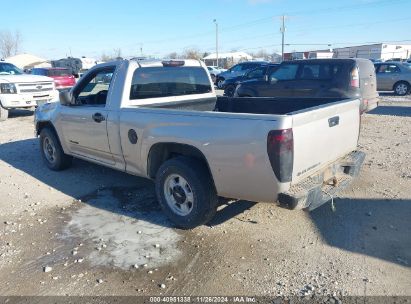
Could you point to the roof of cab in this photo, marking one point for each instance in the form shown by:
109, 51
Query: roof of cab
159, 63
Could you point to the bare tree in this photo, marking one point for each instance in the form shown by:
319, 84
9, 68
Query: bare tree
263, 54
117, 54
105, 57
172, 55
192, 54
9, 43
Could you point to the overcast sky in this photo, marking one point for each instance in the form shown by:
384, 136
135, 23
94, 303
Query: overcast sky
54, 29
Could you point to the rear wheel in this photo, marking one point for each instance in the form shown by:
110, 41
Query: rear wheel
52, 152
4, 113
402, 88
186, 192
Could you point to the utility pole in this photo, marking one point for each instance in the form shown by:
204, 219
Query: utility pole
216, 39
282, 30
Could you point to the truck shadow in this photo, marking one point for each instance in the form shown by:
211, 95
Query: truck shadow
20, 113
392, 111
374, 227
84, 181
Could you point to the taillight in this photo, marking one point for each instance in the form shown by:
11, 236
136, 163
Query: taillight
280, 149
355, 78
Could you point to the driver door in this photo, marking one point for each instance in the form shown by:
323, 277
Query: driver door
85, 123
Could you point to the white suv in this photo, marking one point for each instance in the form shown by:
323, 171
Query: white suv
19, 90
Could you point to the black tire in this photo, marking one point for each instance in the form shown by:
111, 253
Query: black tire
55, 159
4, 113
205, 200
229, 90
219, 83
402, 88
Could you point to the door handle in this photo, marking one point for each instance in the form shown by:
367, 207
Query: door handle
333, 121
98, 117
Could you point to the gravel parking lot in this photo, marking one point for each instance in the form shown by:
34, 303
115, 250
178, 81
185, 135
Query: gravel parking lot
94, 231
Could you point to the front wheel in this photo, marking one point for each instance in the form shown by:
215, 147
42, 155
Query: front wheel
52, 152
220, 82
186, 192
401, 88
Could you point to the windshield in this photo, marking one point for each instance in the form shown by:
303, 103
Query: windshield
9, 69
41, 72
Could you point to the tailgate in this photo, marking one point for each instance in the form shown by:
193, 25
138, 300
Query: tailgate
324, 134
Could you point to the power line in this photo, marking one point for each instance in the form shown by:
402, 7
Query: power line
270, 18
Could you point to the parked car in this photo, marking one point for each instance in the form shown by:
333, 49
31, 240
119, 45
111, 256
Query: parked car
19, 90
62, 77
214, 71
163, 121
238, 70
338, 78
259, 73
394, 76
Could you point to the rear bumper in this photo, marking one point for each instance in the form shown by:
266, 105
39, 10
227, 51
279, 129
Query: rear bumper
317, 190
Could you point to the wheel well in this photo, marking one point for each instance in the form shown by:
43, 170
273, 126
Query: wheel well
161, 152
400, 82
43, 124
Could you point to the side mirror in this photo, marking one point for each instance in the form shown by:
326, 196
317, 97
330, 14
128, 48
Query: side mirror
66, 98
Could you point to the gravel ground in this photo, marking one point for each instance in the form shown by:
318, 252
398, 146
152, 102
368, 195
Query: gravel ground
93, 231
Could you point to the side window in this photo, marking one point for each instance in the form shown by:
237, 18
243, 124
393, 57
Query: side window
154, 82
310, 71
272, 69
320, 71
237, 68
388, 69
256, 73
285, 72
93, 89
249, 66
377, 68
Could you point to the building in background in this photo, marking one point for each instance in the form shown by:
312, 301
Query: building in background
226, 60
27, 61
377, 51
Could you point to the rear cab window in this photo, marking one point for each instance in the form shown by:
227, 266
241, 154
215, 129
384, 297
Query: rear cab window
163, 82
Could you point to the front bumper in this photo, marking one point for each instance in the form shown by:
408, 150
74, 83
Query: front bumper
315, 191
12, 101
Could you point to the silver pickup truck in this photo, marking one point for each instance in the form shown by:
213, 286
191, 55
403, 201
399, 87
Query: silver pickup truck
162, 120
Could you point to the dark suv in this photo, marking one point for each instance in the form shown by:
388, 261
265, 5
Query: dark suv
238, 70
339, 78
259, 73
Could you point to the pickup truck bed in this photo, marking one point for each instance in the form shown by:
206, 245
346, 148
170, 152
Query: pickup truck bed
250, 105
